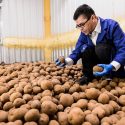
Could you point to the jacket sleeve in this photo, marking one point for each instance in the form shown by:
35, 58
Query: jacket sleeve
80, 46
119, 41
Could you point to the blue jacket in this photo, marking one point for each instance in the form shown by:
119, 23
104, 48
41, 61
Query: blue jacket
110, 31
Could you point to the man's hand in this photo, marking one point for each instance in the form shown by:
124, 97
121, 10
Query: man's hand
107, 68
60, 61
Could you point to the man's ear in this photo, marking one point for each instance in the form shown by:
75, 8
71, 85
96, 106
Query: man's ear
94, 17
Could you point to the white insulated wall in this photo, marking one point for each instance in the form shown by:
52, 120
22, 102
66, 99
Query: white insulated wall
62, 12
22, 18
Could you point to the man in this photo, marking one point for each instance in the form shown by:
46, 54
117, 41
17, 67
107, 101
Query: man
101, 41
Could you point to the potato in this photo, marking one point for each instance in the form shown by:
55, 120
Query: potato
122, 100
7, 106
15, 95
66, 100
62, 59
59, 89
3, 90
107, 120
92, 105
82, 95
3, 116
53, 122
121, 114
76, 116
103, 98
108, 109
92, 93
36, 89
76, 96
27, 106
82, 103
16, 114
46, 98
60, 107
62, 118
19, 89
86, 123
55, 82
27, 97
93, 119
5, 97
18, 122
18, 102
28, 89
97, 69
105, 123
32, 115
99, 111
121, 84
47, 93
115, 105
49, 107
30, 123
44, 119
104, 83
66, 86
86, 112
121, 121
112, 84
46, 84
37, 97
36, 104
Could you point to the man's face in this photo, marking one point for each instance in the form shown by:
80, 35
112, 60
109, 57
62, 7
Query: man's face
86, 25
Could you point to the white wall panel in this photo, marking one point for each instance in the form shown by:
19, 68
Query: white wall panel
62, 12
12, 55
22, 18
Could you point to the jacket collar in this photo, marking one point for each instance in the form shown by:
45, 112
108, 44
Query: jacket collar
103, 29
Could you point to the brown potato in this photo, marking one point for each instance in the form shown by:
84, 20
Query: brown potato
7, 106
49, 107
92, 93
66, 100
122, 100
76, 116
62, 118
59, 89
28, 89
5, 97
47, 93
3, 90
97, 69
36, 104
3, 116
103, 98
86, 123
44, 119
27, 97
30, 123
16, 114
99, 111
93, 119
62, 59
15, 95
18, 102
32, 115
46, 84
53, 122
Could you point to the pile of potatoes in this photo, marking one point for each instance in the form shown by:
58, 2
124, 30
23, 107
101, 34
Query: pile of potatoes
41, 93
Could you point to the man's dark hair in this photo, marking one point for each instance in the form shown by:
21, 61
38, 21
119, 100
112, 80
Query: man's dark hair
84, 10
